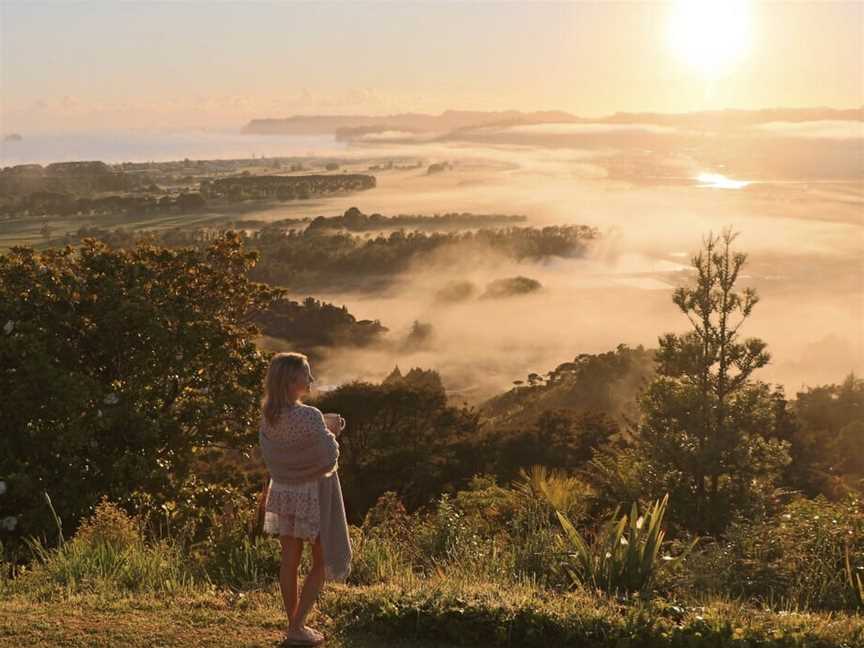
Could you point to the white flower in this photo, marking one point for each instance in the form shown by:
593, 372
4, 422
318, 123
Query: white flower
624, 541
2, 487
112, 399
9, 523
7, 329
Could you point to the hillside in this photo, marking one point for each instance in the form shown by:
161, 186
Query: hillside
447, 120
450, 120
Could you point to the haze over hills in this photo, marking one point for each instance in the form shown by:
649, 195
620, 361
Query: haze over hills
450, 120
447, 120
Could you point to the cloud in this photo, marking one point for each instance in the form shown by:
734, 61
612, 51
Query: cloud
587, 129
195, 110
394, 135
825, 129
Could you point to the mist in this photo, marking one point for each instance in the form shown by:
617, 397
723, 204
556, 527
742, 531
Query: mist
803, 239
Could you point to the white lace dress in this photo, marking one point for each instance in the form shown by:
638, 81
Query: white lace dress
292, 509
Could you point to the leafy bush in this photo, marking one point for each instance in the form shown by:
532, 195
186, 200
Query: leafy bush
106, 350
189, 514
401, 436
384, 545
232, 554
855, 580
388, 519
797, 557
443, 535
828, 442
625, 557
109, 525
488, 507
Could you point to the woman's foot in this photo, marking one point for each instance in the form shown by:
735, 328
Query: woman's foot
304, 636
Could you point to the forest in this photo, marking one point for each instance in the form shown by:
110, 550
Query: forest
317, 258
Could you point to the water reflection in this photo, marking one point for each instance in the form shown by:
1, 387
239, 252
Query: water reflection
720, 181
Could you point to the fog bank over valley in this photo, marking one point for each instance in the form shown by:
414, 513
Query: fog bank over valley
651, 185
802, 231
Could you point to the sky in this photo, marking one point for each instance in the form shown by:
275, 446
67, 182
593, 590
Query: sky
68, 66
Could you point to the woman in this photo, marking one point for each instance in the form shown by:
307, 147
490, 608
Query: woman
303, 498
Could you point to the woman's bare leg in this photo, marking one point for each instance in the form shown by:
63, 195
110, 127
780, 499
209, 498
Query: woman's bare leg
311, 587
292, 550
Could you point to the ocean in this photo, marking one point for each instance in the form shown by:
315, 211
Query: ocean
137, 146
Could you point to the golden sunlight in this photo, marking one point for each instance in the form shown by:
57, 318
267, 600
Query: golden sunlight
710, 35
720, 181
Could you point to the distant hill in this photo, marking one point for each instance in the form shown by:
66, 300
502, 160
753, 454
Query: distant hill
608, 383
729, 117
413, 122
450, 120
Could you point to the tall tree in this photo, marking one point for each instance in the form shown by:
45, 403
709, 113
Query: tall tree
708, 427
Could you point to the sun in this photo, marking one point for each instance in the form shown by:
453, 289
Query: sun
710, 35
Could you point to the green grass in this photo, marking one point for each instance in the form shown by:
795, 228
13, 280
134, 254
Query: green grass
107, 585
428, 613
214, 620
27, 230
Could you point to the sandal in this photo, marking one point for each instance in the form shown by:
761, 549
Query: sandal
306, 636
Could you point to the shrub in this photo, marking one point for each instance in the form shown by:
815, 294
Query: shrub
797, 557
105, 350
189, 513
402, 436
454, 612
377, 559
553, 490
109, 525
855, 580
110, 552
388, 518
232, 557
443, 534
625, 557
488, 507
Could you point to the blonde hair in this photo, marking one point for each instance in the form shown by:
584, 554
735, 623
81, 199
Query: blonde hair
284, 368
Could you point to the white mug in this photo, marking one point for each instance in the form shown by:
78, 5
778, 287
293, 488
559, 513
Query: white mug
335, 423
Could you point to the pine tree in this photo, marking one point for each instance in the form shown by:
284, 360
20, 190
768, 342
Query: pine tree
706, 421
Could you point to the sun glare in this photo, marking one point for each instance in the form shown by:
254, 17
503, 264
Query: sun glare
720, 181
710, 35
